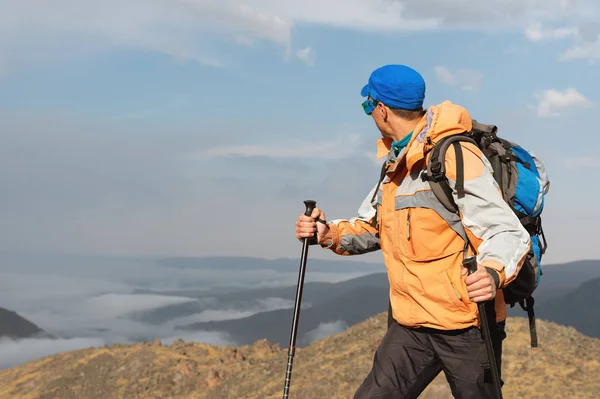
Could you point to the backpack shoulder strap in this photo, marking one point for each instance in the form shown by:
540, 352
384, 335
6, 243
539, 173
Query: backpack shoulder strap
436, 171
381, 177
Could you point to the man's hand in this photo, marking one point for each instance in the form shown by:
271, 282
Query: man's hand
481, 286
306, 226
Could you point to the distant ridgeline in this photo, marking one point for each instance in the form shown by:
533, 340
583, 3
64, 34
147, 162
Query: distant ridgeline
564, 296
16, 327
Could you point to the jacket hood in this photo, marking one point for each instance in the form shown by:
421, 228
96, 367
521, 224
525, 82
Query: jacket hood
442, 120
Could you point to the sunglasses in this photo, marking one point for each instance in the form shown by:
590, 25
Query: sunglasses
369, 106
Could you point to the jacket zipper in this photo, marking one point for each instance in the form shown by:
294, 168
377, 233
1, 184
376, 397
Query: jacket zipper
453, 287
409, 232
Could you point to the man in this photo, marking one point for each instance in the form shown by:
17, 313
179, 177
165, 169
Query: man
434, 319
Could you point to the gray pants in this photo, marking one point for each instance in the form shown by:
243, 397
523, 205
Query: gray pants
407, 360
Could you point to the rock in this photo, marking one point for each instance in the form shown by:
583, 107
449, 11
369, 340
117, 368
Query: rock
184, 369
213, 379
238, 355
262, 347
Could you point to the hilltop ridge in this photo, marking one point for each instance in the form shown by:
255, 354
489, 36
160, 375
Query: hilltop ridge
566, 365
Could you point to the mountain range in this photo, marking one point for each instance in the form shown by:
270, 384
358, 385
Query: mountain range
564, 295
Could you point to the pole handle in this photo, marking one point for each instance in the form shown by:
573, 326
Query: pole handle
310, 207
471, 264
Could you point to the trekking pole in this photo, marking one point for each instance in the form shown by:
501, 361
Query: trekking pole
471, 265
310, 206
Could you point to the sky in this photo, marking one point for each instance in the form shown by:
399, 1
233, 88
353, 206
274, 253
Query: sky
198, 127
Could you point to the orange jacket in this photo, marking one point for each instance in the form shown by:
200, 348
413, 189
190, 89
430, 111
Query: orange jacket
421, 241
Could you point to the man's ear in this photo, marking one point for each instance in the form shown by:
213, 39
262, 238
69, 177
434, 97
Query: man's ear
384, 111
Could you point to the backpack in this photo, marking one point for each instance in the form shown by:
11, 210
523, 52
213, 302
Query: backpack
523, 182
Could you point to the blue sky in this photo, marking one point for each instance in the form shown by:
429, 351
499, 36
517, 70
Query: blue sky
197, 127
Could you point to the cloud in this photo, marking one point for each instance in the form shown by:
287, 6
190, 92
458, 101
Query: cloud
82, 319
114, 305
583, 162
23, 287
186, 29
324, 330
588, 50
104, 316
553, 102
406, 15
83, 297
339, 147
465, 79
306, 55
585, 39
87, 301
583, 35
239, 312
16, 352
445, 76
537, 33
205, 337
203, 30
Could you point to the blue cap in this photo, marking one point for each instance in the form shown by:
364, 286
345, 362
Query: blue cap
397, 86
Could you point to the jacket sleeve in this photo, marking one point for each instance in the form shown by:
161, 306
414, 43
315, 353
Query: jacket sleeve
355, 236
500, 240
